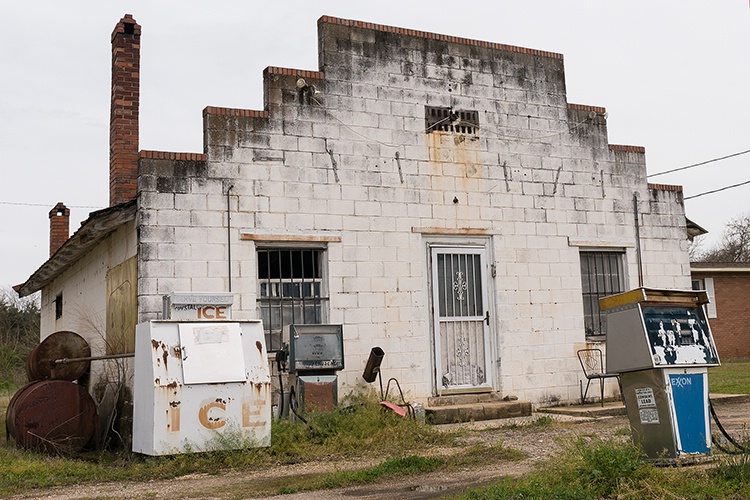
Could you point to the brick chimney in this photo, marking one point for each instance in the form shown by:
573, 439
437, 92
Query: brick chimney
59, 227
123, 117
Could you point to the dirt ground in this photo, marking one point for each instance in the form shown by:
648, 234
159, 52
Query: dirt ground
537, 442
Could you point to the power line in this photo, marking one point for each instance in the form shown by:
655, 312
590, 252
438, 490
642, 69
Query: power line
20, 204
716, 190
699, 164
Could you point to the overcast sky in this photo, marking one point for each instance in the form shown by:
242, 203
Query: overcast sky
672, 75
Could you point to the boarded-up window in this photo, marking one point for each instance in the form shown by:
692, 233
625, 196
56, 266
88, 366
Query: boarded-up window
122, 307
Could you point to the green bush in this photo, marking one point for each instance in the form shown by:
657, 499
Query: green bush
19, 334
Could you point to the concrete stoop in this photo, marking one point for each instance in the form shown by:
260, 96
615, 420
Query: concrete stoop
473, 407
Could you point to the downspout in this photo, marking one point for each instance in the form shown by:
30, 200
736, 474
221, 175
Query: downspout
229, 237
638, 240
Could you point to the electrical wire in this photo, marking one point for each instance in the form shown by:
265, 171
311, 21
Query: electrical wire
699, 164
716, 190
21, 204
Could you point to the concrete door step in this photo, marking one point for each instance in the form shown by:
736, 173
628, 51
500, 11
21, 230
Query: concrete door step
489, 410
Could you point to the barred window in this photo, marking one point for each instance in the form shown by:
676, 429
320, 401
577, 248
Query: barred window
602, 274
290, 290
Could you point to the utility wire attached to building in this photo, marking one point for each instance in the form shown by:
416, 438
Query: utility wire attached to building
699, 164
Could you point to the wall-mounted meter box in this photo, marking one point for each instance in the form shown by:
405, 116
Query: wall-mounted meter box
649, 328
316, 348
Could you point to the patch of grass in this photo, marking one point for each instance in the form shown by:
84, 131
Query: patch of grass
588, 469
541, 421
594, 469
392, 467
358, 429
734, 470
732, 377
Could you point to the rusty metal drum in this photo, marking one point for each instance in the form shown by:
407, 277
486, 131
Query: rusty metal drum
60, 345
51, 416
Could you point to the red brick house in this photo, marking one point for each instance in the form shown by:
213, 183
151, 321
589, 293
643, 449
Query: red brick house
728, 287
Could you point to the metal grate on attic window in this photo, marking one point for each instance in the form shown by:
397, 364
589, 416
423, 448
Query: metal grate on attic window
451, 120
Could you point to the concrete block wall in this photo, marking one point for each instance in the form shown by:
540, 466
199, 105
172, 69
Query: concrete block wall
341, 155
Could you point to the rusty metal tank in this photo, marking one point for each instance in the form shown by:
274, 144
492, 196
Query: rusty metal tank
60, 345
51, 416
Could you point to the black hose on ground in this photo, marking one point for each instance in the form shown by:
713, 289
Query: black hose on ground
740, 449
293, 406
280, 357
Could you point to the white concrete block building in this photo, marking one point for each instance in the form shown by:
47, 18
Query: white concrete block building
437, 196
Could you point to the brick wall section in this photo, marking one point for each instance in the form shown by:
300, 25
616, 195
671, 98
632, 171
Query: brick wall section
538, 182
585, 107
168, 155
627, 149
730, 327
123, 128
59, 227
665, 187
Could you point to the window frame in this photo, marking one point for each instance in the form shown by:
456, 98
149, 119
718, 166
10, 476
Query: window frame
275, 335
58, 306
592, 315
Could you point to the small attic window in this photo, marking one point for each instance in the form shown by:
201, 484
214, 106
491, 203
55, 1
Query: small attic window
58, 306
451, 120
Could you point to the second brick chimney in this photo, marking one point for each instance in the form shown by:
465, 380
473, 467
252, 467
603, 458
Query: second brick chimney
59, 227
123, 123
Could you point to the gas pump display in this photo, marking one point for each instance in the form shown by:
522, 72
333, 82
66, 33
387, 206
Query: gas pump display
660, 343
679, 335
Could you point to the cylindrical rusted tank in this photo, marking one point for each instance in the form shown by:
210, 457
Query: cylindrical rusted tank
52, 416
63, 344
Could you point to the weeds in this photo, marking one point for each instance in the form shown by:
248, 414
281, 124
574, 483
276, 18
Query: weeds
358, 429
588, 469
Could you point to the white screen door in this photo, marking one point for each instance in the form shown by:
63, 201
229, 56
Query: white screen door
461, 318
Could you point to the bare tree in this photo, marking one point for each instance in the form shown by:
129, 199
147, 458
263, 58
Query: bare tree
735, 243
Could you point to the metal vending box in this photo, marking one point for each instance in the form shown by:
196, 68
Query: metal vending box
660, 343
200, 386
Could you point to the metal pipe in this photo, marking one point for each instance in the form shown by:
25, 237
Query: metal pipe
638, 240
229, 237
65, 361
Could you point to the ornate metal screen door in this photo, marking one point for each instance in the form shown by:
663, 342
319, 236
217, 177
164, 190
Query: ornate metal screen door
460, 318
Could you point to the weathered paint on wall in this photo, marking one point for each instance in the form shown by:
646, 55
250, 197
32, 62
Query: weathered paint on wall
122, 306
341, 155
84, 292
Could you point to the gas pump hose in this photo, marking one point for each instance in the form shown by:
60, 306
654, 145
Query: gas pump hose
739, 448
279, 359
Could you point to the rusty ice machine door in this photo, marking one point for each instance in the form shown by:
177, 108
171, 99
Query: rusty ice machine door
197, 381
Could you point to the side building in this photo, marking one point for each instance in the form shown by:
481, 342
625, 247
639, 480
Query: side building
728, 287
437, 196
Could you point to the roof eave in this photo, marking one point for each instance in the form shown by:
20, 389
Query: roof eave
93, 230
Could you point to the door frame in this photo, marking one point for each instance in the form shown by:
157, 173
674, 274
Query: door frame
456, 245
